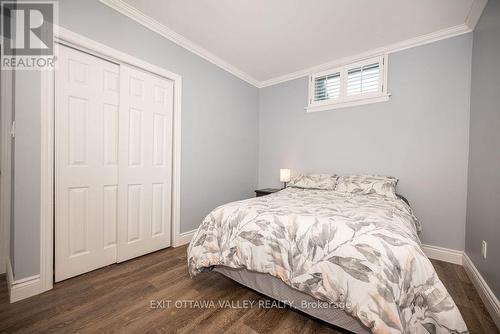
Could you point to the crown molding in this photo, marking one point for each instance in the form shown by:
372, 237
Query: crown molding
473, 16
171, 35
407, 44
475, 12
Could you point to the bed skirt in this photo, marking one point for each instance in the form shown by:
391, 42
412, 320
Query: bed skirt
276, 289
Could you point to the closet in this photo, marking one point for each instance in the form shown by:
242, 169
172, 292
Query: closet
113, 162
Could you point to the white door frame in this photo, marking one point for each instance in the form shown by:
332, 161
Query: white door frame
69, 38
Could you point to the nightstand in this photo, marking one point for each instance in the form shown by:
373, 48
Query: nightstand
266, 191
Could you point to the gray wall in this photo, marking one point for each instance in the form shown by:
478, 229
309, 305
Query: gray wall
228, 127
13, 150
25, 230
219, 126
219, 111
25, 199
419, 136
483, 202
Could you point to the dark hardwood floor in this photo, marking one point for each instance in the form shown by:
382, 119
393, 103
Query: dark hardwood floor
117, 299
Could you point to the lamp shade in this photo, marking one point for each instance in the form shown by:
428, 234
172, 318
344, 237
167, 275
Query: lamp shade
284, 175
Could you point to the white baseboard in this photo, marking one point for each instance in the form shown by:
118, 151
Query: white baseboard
459, 257
433, 252
23, 288
31, 286
488, 297
184, 238
443, 254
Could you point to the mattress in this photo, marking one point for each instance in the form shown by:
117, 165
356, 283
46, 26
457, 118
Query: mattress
276, 289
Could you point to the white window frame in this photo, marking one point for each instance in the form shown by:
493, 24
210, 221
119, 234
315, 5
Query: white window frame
343, 100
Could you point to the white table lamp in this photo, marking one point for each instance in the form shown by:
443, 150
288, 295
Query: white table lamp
284, 176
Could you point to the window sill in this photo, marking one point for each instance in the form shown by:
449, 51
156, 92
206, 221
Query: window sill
351, 103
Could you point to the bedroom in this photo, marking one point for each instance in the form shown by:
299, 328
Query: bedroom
98, 208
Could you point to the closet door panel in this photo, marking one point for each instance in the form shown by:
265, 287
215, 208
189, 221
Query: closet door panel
145, 162
86, 162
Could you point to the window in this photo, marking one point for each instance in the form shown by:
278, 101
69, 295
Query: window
354, 84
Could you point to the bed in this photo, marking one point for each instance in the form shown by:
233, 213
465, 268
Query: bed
359, 253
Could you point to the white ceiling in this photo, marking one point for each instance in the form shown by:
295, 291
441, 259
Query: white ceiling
266, 39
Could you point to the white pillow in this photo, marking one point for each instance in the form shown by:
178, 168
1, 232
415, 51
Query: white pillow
314, 181
368, 184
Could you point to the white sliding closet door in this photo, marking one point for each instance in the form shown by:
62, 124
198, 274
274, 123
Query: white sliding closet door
86, 148
113, 136
145, 163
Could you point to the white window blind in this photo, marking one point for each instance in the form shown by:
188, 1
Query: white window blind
327, 87
364, 79
352, 84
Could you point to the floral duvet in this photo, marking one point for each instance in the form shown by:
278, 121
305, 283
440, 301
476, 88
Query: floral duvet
359, 250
